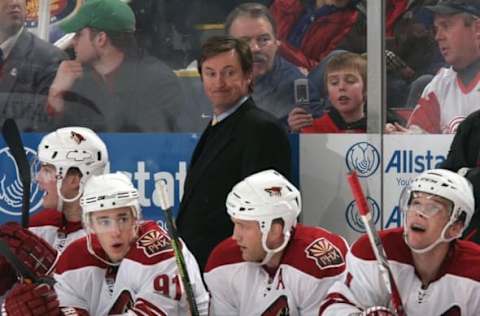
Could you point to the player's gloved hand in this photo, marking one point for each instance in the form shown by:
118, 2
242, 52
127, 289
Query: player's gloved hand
27, 299
378, 311
32, 250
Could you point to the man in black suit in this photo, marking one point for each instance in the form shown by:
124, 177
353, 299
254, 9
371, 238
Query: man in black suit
27, 68
240, 140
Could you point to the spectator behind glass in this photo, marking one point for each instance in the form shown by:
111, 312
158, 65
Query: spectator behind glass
273, 75
27, 68
109, 87
454, 92
345, 76
310, 30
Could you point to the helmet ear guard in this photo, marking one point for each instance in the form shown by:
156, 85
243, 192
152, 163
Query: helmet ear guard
264, 197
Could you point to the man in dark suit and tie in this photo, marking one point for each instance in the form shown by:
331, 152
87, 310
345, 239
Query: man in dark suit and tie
27, 68
240, 140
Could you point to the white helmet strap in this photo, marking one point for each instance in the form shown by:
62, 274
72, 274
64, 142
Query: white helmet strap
439, 240
270, 252
62, 199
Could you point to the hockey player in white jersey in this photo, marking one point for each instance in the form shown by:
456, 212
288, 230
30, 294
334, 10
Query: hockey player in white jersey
67, 158
124, 266
271, 265
435, 272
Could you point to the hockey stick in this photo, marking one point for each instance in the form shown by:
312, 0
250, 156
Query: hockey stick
14, 141
376, 243
172, 231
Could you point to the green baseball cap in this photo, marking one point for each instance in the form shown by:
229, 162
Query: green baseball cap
103, 15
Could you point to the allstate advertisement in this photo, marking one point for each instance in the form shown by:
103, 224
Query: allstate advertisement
326, 159
146, 158
406, 156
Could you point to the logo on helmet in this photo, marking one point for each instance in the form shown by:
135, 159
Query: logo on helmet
325, 254
362, 158
353, 217
11, 187
77, 138
274, 191
153, 243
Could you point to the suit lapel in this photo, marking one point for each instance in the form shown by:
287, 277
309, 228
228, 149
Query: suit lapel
198, 166
14, 62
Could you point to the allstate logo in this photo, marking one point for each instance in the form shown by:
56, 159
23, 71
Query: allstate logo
353, 217
11, 187
363, 158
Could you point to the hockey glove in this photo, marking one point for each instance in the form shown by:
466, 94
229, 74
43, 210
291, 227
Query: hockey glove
32, 250
26, 299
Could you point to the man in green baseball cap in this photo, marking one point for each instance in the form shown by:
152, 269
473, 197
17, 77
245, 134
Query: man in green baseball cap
110, 86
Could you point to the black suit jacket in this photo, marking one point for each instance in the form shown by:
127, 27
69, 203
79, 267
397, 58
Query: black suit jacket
247, 141
25, 79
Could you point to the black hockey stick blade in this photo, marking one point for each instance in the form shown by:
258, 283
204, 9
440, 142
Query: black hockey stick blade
14, 141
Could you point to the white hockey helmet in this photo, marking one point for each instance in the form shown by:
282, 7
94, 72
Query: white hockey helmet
70, 147
109, 191
448, 185
263, 197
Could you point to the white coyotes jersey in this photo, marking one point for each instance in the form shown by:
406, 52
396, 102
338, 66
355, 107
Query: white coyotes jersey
312, 262
456, 292
445, 102
51, 225
145, 283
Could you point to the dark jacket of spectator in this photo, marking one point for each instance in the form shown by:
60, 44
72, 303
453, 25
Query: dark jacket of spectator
25, 78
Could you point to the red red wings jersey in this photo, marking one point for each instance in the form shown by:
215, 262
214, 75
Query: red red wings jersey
312, 261
445, 102
52, 226
146, 282
456, 292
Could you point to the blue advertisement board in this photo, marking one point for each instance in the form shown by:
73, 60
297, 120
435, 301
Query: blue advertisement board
146, 158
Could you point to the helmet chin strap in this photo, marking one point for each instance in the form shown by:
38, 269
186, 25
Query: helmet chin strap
271, 252
62, 199
435, 243
90, 249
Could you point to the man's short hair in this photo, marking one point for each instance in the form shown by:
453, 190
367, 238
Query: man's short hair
221, 44
251, 10
123, 41
348, 60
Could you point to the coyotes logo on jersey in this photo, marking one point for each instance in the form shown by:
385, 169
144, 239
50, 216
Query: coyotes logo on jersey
154, 242
325, 254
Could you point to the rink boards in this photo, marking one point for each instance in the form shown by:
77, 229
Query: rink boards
321, 162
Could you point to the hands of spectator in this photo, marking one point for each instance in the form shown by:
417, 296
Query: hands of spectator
396, 128
299, 118
407, 73
67, 73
